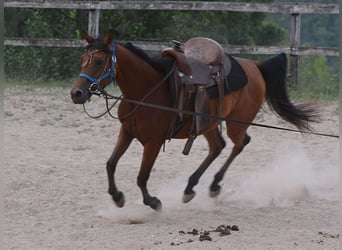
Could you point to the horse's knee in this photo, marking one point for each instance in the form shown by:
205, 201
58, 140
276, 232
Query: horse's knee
222, 144
216, 145
240, 139
216, 151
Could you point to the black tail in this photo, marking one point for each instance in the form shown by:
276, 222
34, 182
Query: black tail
274, 71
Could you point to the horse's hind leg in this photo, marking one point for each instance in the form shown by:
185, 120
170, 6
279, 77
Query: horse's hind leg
216, 144
123, 142
240, 139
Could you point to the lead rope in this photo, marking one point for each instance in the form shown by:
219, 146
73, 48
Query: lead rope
215, 117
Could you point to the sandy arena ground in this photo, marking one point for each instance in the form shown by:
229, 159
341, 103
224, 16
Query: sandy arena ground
281, 192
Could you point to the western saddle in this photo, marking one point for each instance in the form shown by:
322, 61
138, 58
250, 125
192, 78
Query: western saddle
200, 64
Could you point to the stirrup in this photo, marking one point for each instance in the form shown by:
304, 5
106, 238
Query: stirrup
188, 144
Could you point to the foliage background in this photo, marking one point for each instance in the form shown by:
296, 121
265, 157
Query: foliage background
38, 64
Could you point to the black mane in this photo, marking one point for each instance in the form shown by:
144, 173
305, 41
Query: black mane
161, 64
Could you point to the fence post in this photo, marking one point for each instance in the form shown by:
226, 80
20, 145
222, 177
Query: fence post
93, 22
295, 43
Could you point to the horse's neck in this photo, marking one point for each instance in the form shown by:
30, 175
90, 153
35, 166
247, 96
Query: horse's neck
135, 77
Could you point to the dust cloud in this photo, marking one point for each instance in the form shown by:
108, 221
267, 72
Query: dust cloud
291, 176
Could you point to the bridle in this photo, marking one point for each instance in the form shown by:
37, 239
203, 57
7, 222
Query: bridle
94, 86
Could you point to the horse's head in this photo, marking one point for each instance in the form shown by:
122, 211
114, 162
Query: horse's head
97, 72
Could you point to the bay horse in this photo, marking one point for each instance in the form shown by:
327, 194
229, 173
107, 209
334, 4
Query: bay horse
137, 74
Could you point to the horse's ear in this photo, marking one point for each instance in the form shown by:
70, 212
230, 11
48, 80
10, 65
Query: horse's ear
109, 38
87, 37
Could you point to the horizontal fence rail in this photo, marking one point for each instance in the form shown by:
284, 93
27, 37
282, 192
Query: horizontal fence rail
157, 46
179, 5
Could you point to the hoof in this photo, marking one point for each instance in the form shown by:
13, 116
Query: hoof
119, 199
215, 191
155, 204
188, 197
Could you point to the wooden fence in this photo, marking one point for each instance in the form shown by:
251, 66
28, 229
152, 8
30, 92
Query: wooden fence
295, 10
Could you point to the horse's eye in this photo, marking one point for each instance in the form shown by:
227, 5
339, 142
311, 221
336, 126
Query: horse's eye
98, 62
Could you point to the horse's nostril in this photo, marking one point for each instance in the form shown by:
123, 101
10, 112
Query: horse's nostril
78, 95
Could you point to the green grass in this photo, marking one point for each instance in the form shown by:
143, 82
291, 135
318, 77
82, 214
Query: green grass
38, 83
316, 90
317, 81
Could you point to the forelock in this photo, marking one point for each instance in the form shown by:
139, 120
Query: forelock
99, 44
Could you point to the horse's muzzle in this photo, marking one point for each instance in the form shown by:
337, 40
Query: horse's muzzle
79, 96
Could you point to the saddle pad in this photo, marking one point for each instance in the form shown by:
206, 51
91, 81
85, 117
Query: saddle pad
235, 80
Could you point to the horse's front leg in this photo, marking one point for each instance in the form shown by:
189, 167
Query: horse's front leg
151, 151
123, 142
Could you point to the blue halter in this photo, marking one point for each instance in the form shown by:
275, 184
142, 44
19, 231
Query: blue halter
111, 73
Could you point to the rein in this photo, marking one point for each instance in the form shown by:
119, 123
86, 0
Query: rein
95, 89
